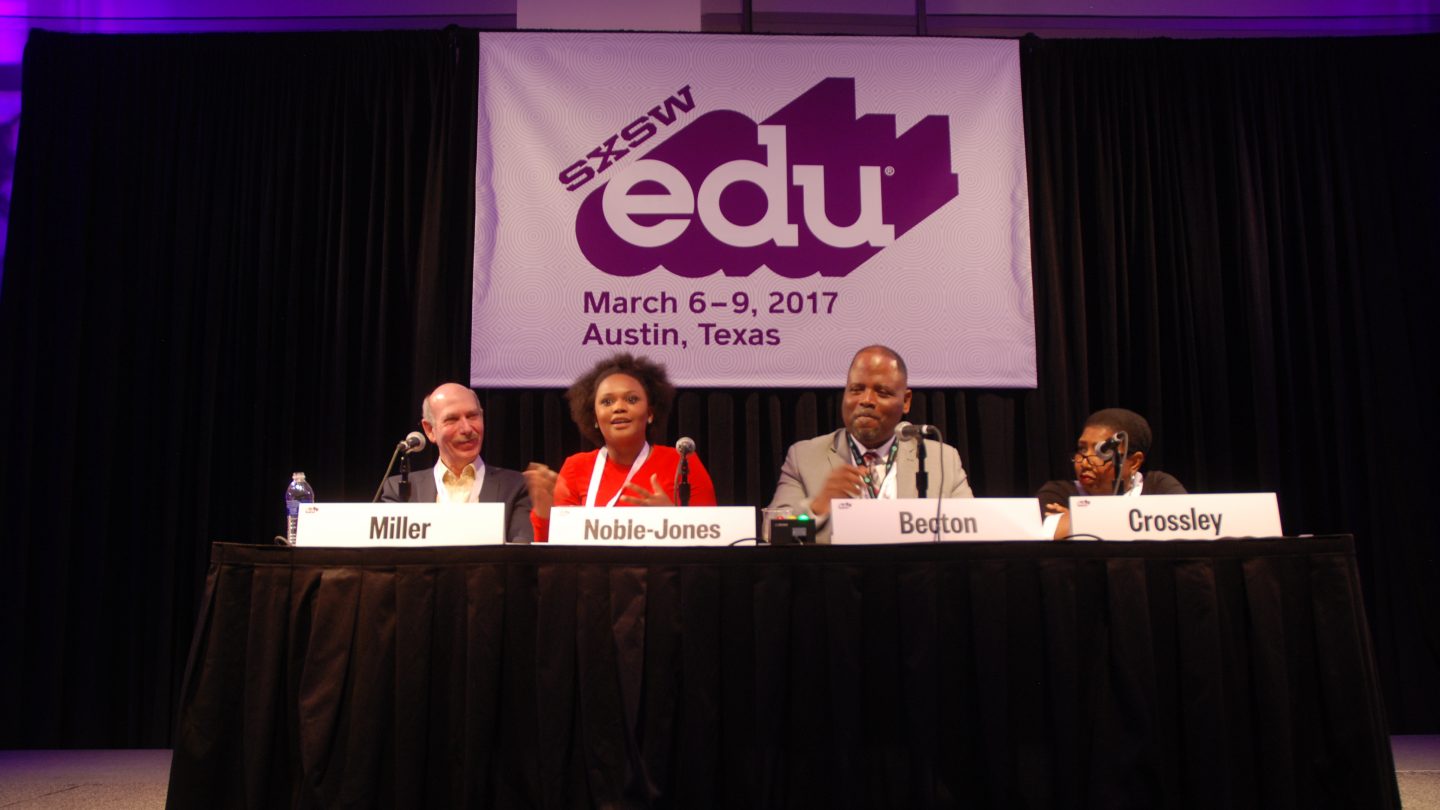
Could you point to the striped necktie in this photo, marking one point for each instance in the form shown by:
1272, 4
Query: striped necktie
872, 472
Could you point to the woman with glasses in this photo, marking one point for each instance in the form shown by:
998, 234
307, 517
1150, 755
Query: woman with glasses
1109, 436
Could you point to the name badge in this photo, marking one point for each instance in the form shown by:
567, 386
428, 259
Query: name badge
652, 526
914, 520
1176, 517
400, 524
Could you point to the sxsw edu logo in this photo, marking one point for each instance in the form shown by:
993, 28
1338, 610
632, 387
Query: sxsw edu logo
811, 189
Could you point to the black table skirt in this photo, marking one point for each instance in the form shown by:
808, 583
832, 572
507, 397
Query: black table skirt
1230, 674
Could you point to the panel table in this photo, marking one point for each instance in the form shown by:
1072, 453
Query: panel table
1233, 674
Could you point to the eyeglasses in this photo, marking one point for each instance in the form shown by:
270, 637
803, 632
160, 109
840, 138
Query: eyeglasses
1091, 459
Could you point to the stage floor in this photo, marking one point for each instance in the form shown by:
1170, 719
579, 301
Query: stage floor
112, 779
124, 779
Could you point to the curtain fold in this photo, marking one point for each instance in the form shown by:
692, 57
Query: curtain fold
231, 257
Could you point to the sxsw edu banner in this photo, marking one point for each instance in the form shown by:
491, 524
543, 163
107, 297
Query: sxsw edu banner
750, 210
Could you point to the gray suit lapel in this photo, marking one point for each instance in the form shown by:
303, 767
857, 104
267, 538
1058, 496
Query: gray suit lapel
906, 463
840, 450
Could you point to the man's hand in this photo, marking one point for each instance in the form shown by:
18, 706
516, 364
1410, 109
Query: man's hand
540, 480
846, 481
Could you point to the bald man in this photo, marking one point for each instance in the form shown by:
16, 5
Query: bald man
863, 459
454, 422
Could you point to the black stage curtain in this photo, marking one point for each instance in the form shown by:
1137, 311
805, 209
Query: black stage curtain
978, 675
236, 256
1239, 240
231, 257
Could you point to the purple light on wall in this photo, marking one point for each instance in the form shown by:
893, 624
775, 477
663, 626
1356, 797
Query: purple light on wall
13, 31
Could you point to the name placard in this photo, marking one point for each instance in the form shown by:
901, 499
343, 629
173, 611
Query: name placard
400, 524
1176, 517
914, 520
652, 526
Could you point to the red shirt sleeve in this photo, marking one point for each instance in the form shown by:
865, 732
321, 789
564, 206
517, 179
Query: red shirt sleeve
570, 486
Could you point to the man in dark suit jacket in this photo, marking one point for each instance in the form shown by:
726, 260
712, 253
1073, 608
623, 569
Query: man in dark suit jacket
454, 422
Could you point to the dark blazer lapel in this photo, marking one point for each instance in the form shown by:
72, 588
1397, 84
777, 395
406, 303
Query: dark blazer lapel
422, 485
490, 488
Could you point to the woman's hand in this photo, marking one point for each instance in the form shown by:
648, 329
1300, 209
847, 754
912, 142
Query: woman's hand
540, 480
1062, 531
637, 495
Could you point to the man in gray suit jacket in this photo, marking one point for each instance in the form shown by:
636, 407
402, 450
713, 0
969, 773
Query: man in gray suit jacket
864, 459
454, 422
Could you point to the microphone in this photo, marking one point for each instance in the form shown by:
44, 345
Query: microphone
686, 447
906, 431
414, 442
1107, 448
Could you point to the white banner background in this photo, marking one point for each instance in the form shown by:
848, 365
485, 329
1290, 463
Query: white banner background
952, 294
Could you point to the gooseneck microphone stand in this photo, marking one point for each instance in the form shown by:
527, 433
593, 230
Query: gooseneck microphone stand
404, 477
1120, 456
413, 443
388, 467
922, 478
682, 490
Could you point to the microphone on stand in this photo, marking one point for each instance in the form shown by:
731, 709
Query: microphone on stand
1107, 448
686, 446
1119, 440
906, 431
413, 442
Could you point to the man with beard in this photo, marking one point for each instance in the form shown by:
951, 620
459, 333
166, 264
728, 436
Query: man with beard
454, 422
864, 459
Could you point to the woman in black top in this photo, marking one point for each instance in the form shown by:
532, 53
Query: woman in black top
1095, 467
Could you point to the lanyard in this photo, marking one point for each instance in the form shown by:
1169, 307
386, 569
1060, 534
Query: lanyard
600, 470
871, 485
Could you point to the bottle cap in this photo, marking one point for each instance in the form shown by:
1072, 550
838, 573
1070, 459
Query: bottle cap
299, 476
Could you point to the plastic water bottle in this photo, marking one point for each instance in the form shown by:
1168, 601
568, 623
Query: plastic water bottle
297, 493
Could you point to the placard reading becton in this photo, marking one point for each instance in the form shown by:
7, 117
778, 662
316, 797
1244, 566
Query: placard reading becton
741, 207
918, 520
